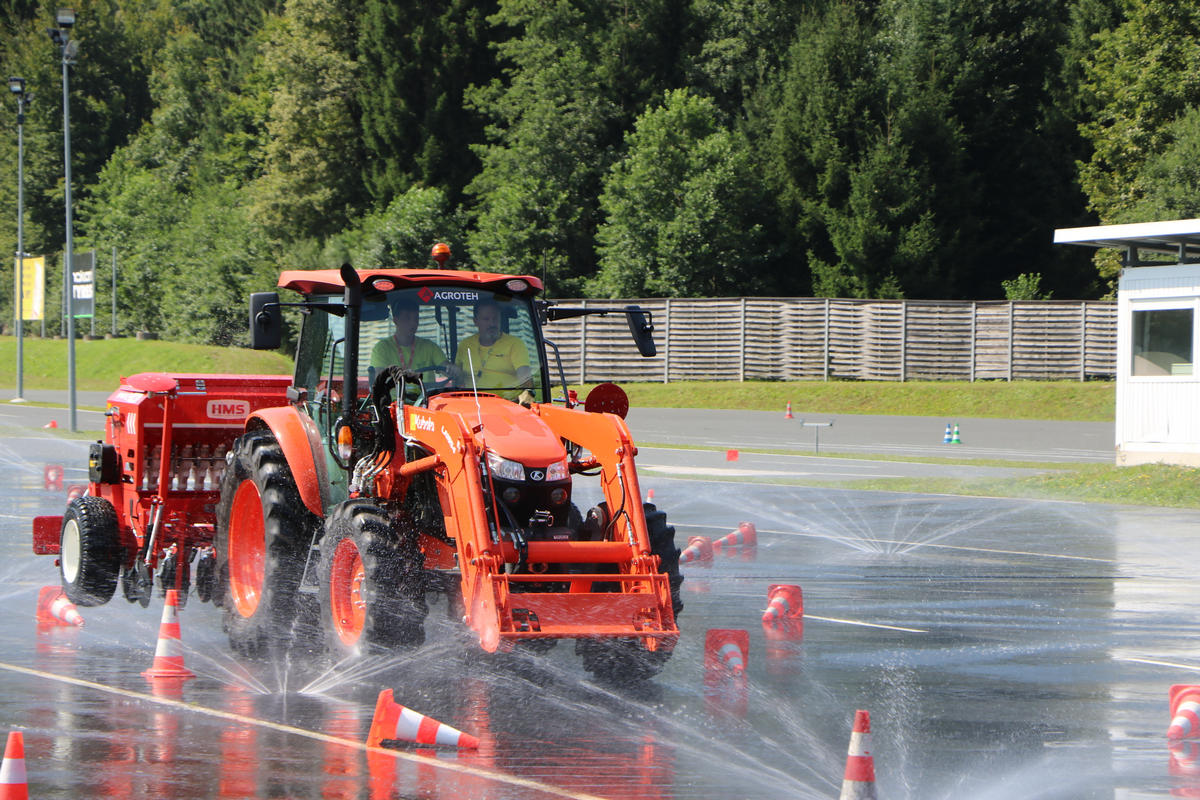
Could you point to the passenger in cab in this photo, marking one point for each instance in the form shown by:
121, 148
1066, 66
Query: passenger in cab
492, 360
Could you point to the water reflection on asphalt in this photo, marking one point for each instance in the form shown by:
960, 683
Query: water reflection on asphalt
1004, 649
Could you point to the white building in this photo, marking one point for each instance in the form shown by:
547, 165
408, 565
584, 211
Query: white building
1158, 388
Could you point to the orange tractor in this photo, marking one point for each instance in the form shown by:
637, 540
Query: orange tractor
338, 499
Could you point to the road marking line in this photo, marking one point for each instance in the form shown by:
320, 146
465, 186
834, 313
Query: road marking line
866, 624
1155, 663
180, 705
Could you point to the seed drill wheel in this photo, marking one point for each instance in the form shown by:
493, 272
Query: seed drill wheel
624, 660
89, 551
372, 582
262, 537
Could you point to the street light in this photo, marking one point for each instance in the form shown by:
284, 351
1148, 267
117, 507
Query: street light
17, 87
64, 20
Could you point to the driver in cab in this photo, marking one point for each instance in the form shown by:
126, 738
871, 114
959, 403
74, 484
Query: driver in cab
404, 348
492, 360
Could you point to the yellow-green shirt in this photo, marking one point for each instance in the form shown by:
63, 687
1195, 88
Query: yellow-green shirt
422, 353
495, 365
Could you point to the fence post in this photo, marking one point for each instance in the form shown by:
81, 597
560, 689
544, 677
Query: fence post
974, 340
667, 343
1011, 343
825, 360
903, 339
1083, 341
583, 347
742, 346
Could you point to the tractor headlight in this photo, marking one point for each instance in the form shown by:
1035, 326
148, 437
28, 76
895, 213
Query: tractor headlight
557, 471
505, 469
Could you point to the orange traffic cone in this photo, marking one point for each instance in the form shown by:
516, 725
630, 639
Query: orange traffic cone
788, 414
650, 496
745, 538
784, 617
12, 772
859, 782
168, 655
725, 653
731, 455
54, 607
394, 722
1185, 711
51, 424
699, 548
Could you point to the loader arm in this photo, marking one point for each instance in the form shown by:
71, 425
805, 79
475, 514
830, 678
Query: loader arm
630, 598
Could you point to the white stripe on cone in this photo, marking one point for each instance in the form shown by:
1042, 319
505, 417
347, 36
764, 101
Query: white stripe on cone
12, 772
859, 781
168, 653
730, 655
398, 722
65, 610
1184, 723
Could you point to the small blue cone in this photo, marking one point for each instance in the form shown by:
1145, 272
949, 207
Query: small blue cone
946, 439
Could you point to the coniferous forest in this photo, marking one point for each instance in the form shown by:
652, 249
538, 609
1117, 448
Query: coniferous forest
880, 148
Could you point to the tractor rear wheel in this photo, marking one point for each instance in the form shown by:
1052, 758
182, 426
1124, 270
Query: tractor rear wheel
372, 582
626, 660
262, 538
89, 551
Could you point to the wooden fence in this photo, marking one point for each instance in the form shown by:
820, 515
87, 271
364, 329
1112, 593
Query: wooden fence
757, 338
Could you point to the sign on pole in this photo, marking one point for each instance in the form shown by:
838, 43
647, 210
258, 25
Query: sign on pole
83, 283
33, 288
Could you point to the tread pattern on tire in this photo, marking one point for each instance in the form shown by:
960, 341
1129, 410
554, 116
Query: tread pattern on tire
394, 578
288, 527
99, 551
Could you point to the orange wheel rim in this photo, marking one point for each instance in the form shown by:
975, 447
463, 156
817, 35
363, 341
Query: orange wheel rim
247, 549
346, 578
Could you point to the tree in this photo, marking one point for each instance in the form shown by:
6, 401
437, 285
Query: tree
1143, 75
737, 47
680, 208
311, 172
403, 233
1169, 182
576, 75
850, 149
418, 59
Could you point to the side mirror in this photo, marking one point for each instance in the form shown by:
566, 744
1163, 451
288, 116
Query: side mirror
266, 321
641, 326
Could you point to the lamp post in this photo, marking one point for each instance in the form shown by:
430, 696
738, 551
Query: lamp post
64, 20
17, 87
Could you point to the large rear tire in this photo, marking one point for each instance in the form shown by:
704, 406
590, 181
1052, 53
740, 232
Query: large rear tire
372, 582
626, 660
262, 538
89, 551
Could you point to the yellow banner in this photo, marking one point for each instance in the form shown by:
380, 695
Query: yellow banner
33, 288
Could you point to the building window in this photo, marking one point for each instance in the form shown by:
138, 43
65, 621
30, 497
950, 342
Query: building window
1162, 341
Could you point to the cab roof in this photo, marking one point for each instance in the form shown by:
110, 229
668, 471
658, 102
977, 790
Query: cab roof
320, 281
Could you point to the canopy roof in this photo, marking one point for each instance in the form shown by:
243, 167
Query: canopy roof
330, 280
1179, 238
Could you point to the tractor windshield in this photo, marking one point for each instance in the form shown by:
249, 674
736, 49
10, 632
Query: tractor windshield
456, 338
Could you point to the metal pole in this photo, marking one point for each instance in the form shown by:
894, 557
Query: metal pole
20, 248
114, 293
69, 263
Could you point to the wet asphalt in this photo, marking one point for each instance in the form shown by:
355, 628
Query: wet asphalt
1004, 649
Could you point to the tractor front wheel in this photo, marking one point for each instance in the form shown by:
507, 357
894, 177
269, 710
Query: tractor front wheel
89, 551
372, 582
626, 660
262, 537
